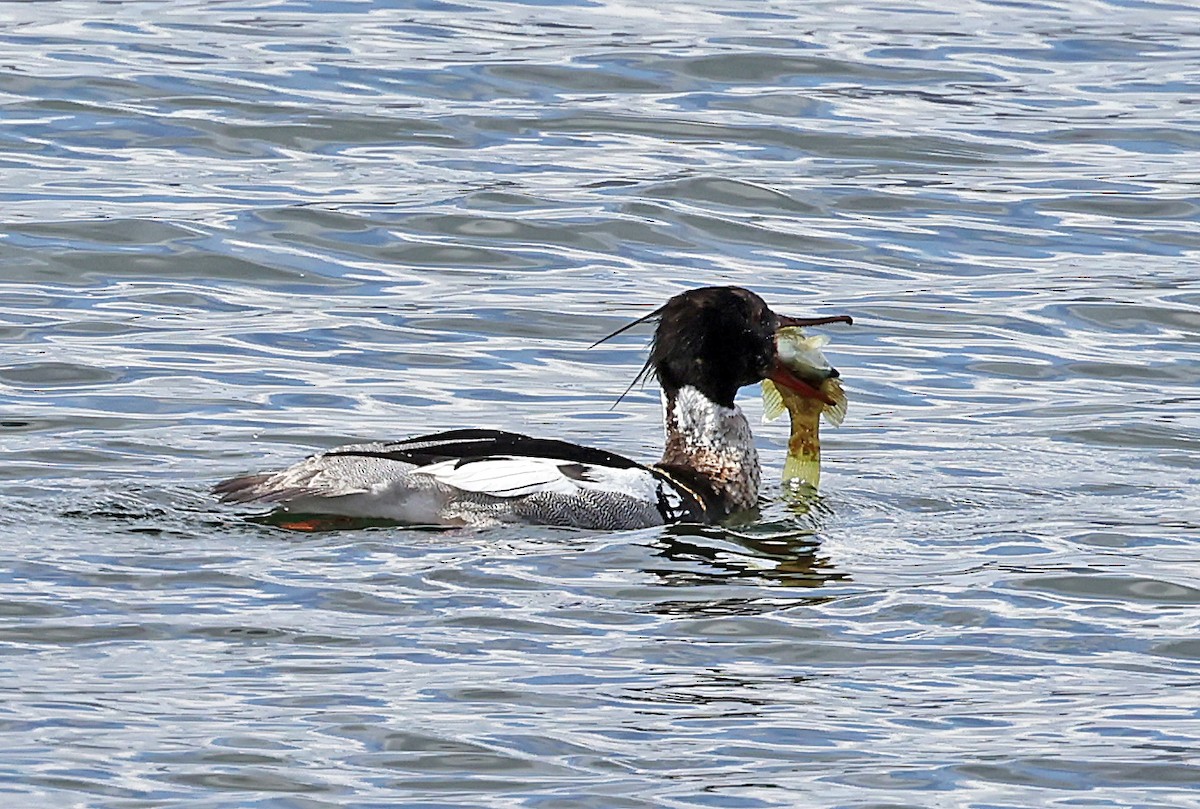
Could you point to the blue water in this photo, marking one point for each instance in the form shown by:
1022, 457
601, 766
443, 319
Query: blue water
232, 234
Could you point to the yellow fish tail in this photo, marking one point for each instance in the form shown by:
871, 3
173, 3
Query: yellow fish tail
803, 463
798, 470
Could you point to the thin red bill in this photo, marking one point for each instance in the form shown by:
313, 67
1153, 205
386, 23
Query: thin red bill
780, 375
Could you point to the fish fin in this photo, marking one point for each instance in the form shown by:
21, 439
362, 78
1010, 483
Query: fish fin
797, 470
836, 412
772, 401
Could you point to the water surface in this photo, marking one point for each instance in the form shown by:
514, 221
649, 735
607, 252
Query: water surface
235, 233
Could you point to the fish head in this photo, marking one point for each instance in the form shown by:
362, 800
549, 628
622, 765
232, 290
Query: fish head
800, 365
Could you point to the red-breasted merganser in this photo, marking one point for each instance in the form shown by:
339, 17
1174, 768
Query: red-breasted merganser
709, 343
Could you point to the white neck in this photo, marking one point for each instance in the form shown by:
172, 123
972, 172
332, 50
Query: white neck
715, 441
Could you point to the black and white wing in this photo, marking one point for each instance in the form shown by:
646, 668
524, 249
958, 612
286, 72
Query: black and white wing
472, 477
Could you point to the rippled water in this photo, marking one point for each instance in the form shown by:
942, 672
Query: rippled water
234, 233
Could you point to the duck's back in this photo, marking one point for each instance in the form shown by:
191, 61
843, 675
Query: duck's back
472, 477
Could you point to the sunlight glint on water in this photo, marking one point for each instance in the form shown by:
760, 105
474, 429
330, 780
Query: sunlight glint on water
233, 234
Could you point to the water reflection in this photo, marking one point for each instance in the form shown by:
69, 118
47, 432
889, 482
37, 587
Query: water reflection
716, 554
734, 693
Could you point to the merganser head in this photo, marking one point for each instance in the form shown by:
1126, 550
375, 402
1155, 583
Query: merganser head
718, 339
710, 342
